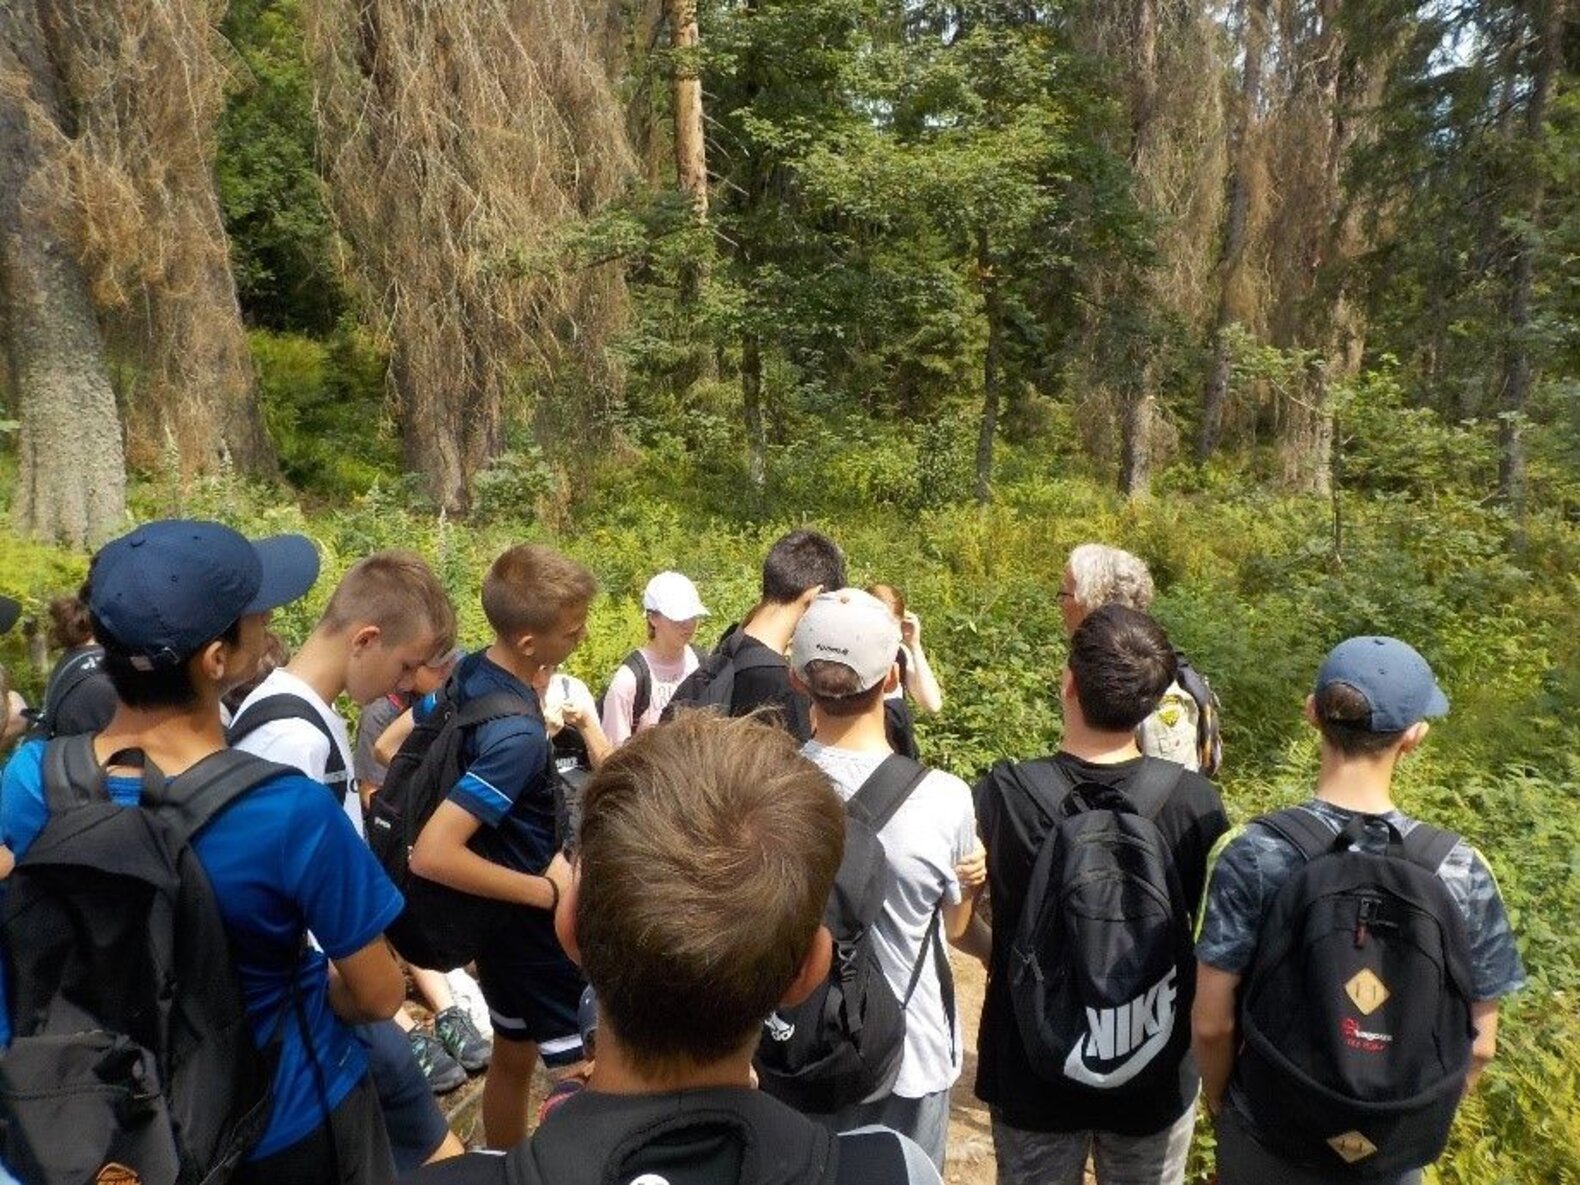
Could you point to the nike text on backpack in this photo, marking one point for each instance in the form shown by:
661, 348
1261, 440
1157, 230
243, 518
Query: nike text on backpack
440, 927
712, 684
1356, 1007
73, 675
1101, 970
133, 1048
285, 706
842, 1045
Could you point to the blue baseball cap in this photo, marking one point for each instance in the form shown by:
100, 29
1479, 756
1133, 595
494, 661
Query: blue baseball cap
169, 588
1392, 675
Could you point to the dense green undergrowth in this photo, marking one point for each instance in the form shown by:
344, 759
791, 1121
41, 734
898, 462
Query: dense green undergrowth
1249, 585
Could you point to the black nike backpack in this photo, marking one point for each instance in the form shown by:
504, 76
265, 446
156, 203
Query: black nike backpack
1355, 1010
842, 1045
440, 928
133, 1059
1101, 969
73, 674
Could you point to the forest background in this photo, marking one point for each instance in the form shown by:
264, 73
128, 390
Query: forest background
1279, 294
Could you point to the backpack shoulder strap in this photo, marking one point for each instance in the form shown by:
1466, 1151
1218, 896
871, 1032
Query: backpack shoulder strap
496, 705
757, 657
1427, 846
885, 790
1045, 782
1302, 830
285, 705
193, 798
72, 774
637, 662
1153, 784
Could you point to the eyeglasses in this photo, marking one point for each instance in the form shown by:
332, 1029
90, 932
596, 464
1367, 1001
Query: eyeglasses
1066, 595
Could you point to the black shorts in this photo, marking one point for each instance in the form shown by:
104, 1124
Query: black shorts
532, 989
351, 1149
416, 1125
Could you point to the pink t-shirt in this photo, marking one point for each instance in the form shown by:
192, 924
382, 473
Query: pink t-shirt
620, 699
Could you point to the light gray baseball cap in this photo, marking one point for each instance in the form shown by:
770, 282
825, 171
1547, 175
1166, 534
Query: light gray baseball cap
849, 627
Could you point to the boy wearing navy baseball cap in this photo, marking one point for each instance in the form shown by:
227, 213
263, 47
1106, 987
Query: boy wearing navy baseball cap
1372, 702
180, 608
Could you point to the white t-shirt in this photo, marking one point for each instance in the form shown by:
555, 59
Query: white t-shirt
934, 829
620, 699
296, 742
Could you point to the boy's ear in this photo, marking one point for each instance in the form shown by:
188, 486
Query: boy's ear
1413, 736
366, 636
565, 916
891, 681
1311, 712
814, 969
799, 684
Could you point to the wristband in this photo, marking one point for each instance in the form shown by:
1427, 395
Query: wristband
554, 904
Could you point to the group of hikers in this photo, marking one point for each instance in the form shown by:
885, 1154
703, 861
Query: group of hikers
715, 902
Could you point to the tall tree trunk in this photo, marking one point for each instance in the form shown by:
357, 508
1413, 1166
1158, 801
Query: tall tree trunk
1215, 395
1135, 454
72, 484
691, 159
1135, 424
991, 367
752, 408
1519, 371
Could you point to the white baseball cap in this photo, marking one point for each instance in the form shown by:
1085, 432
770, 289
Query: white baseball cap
673, 596
850, 627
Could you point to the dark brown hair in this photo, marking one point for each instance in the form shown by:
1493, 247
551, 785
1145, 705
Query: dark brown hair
398, 592
1122, 663
530, 586
799, 561
1344, 720
708, 847
834, 688
890, 596
69, 626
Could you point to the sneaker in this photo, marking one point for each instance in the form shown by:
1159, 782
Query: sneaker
441, 1070
462, 1041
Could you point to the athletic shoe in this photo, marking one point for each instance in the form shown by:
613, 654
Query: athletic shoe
462, 1041
441, 1070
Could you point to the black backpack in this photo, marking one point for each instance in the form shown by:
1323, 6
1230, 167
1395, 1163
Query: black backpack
714, 1136
73, 673
1101, 970
637, 661
712, 684
842, 1045
1355, 1010
132, 1047
286, 706
441, 928
1209, 734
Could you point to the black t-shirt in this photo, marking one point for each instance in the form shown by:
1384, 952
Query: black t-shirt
768, 686
1013, 827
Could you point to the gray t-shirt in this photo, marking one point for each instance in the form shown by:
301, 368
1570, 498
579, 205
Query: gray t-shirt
375, 719
934, 829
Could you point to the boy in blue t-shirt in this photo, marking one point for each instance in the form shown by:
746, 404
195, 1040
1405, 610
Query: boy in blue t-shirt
180, 608
495, 835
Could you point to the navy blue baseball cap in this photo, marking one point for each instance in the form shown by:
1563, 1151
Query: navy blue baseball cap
9, 612
1392, 675
170, 588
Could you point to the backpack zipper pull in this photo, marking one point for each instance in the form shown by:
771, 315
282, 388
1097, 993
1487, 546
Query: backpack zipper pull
1363, 921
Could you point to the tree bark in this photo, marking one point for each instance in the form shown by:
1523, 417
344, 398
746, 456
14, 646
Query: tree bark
1215, 395
691, 159
991, 368
1519, 370
72, 481
1135, 457
1135, 424
752, 408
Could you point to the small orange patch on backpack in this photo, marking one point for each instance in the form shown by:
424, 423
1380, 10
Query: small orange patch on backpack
1352, 1146
117, 1174
1366, 991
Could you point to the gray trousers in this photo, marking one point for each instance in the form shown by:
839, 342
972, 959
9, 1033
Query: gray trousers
1059, 1158
925, 1120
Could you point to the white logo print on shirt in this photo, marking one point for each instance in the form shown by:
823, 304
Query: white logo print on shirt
1121, 1041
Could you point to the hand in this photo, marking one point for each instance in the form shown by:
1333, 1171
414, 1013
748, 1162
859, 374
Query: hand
910, 628
972, 871
14, 724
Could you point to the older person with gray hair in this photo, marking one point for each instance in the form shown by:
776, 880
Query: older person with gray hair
1184, 727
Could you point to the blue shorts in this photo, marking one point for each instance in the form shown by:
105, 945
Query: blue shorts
416, 1125
532, 990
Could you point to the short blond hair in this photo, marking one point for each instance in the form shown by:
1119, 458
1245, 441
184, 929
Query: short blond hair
398, 592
